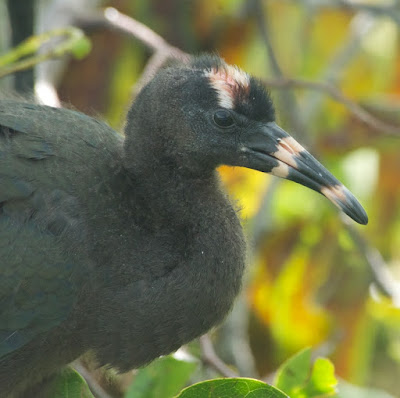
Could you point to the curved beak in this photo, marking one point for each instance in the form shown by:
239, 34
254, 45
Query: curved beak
270, 149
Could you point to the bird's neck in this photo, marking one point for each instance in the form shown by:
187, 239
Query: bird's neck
169, 196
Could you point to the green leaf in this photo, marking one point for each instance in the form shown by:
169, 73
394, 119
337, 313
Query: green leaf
294, 372
231, 388
81, 47
74, 42
163, 378
298, 379
70, 384
322, 381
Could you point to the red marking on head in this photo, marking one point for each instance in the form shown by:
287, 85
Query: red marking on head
231, 84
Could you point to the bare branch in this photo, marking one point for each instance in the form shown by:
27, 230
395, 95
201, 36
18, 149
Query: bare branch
157, 60
359, 112
390, 10
210, 357
289, 104
163, 51
148, 37
380, 271
94, 386
361, 24
113, 19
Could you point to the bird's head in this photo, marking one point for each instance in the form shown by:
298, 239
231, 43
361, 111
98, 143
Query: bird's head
198, 116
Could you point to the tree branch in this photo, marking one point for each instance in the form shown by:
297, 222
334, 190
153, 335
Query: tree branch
359, 112
162, 51
91, 381
112, 19
289, 104
210, 358
380, 271
390, 10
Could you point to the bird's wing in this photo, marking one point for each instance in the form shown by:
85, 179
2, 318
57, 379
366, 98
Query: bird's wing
44, 164
40, 275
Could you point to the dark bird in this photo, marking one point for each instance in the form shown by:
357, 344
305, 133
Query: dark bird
128, 247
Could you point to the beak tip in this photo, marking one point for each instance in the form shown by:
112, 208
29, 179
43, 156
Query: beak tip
364, 219
361, 217
346, 202
352, 207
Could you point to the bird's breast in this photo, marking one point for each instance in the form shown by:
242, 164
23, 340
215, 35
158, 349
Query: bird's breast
173, 284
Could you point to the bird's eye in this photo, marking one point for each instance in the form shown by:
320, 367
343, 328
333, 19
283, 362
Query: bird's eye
223, 118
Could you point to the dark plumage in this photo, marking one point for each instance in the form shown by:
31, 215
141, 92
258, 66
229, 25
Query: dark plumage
129, 247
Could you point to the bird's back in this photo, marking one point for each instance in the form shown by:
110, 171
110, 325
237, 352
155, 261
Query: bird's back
54, 147
51, 161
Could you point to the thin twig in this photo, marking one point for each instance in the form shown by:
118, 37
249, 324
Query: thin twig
359, 112
94, 386
156, 62
380, 271
382, 8
289, 104
147, 36
113, 19
390, 10
361, 24
210, 357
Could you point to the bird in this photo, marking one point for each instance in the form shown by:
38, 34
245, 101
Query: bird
128, 246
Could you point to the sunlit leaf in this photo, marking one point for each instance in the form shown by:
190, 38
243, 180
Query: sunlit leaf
81, 47
294, 372
70, 384
286, 303
163, 378
231, 388
322, 380
247, 186
299, 379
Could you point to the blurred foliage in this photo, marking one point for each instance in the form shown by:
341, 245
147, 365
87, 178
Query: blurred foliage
70, 384
75, 43
231, 388
308, 282
163, 378
295, 378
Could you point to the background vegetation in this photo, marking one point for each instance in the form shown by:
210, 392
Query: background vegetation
333, 67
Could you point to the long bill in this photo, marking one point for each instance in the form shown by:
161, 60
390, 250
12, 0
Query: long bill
270, 149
